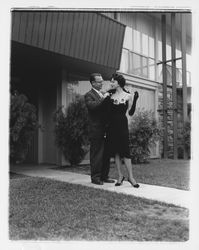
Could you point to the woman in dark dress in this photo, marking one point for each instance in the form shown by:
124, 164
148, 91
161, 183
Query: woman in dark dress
118, 133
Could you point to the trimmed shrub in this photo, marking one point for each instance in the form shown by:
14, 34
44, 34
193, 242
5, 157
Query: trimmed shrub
23, 124
144, 132
71, 131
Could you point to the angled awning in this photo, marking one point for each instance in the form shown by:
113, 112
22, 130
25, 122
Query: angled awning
90, 37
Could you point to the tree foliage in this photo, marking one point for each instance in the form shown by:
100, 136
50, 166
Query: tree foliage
71, 130
23, 124
144, 132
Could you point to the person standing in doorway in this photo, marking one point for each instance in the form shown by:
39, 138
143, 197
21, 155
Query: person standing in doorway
96, 103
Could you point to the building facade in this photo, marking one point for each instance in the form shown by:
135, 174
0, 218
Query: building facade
141, 64
54, 52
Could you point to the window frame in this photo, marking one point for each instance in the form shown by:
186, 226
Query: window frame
141, 66
142, 56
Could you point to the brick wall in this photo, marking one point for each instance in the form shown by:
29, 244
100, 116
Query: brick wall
170, 121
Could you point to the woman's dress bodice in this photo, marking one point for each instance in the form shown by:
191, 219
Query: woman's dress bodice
118, 134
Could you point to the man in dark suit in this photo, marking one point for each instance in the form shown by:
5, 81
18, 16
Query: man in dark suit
97, 103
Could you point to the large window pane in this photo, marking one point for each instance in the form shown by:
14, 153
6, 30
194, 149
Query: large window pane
128, 39
144, 67
136, 41
178, 53
159, 50
124, 61
135, 64
179, 77
168, 52
188, 78
151, 69
151, 47
179, 63
188, 62
179, 72
145, 45
159, 68
77, 87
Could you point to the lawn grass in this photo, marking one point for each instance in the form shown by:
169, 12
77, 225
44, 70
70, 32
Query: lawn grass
168, 173
44, 209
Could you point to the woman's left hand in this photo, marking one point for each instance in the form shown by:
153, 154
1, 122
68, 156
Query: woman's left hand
136, 95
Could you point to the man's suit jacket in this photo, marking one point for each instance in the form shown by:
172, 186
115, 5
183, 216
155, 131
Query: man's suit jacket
97, 110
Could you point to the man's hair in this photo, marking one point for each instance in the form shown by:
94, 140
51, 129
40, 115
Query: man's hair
93, 75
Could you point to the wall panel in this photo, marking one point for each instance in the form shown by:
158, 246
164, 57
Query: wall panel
92, 37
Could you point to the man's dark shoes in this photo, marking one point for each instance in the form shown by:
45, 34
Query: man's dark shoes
108, 181
97, 182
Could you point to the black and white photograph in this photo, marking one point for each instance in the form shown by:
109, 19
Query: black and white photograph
100, 125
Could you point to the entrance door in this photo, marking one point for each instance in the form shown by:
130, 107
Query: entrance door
47, 106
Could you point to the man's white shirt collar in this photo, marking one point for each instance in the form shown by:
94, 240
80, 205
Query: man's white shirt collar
99, 93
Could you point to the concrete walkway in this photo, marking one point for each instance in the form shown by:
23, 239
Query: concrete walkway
163, 194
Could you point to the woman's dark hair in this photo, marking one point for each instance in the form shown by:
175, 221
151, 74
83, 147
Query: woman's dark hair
121, 80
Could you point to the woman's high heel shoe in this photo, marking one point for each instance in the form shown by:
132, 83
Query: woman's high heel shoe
120, 183
134, 185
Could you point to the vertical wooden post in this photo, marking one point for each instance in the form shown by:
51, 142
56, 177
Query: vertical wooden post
40, 133
184, 75
59, 104
164, 73
174, 92
156, 51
